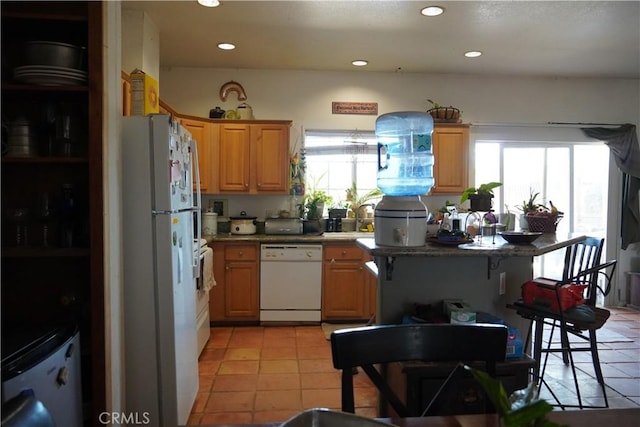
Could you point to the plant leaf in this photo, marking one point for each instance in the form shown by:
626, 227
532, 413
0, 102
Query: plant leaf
527, 414
488, 187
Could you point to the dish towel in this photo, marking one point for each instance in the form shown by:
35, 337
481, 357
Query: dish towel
207, 270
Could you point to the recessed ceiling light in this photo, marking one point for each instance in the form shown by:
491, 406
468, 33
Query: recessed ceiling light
473, 54
209, 3
226, 46
359, 62
432, 11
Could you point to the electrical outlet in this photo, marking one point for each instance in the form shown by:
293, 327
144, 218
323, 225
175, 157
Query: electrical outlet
503, 283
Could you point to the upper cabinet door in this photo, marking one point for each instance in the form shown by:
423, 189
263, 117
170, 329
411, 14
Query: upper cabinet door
451, 152
201, 132
235, 152
271, 144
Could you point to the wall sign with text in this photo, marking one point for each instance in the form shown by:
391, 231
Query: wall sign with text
354, 108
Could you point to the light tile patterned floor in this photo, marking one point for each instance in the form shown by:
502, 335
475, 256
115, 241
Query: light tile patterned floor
268, 374
619, 351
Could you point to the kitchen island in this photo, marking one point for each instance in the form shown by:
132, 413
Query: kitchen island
471, 272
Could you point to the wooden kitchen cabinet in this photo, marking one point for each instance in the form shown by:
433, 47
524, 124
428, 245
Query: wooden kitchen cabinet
345, 292
47, 280
125, 83
253, 157
236, 270
200, 131
234, 165
451, 152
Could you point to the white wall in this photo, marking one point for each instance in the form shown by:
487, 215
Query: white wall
305, 96
142, 47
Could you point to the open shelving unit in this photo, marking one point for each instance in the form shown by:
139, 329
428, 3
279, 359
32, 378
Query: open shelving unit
48, 281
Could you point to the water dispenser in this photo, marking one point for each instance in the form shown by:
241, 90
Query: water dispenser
405, 165
405, 158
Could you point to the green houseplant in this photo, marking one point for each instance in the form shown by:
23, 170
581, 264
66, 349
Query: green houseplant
314, 203
480, 197
523, 408
315, 200
355, 201
530, 205
538, 217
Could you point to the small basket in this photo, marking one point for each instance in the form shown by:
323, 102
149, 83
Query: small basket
445, 114
543, 224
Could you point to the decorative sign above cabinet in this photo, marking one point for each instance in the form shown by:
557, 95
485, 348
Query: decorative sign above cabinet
354, 108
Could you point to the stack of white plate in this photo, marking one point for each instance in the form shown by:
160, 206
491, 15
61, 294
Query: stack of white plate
49, 75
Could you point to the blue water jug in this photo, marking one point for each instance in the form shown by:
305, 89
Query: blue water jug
405, 158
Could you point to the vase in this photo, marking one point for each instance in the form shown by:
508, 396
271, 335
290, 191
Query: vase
524, 225
481, 202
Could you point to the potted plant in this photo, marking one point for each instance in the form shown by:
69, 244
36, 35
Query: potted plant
315, 200
480, 197
338, 209
523, 408
544, 219
529, 205
357, 203
314, 203
538, 217
443, 114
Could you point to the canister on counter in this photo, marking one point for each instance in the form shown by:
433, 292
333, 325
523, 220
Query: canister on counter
209, 224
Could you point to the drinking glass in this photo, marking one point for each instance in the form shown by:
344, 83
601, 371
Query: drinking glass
20, 218
45, 214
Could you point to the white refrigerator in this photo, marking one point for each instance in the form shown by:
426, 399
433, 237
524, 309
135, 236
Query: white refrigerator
161, 360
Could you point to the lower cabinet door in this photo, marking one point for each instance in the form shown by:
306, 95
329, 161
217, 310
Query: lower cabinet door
241, 290
343, 291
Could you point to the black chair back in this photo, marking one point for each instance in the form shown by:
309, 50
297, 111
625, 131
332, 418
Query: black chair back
370, 345
582, 256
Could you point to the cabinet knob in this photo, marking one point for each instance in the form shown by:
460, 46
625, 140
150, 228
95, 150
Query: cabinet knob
344, 252
246, 185
226, 267
240, 253
259, 184
333, 260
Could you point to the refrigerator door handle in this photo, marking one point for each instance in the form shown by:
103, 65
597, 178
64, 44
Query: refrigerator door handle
197, 205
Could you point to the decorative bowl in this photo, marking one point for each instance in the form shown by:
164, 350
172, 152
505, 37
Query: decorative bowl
520, 237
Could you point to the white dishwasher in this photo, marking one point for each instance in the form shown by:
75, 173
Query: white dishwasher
290, 282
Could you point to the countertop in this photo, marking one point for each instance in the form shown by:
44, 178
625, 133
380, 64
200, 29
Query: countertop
500, 247
345, 236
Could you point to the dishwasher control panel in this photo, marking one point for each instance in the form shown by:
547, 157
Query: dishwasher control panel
289, 252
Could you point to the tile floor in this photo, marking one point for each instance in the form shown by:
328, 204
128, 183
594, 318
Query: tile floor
268, 374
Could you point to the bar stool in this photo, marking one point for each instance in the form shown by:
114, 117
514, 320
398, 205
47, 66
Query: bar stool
581, 321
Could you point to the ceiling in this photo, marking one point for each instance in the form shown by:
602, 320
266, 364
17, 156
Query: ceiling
519, 38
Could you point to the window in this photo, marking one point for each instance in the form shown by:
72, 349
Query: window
574, 175
337, 159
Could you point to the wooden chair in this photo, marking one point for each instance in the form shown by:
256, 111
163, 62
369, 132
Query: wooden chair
581, 321
366, 346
